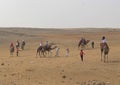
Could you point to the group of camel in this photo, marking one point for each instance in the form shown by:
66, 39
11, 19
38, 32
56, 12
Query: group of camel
12, 49
45, 49
51, 46
103, 47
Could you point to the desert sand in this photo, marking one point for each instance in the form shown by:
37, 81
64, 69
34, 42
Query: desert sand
27, 69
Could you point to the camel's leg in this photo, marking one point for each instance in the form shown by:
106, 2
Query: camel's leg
107, 57
50, 53
36, 54
10, 53
43, 53
39, 53
101, 55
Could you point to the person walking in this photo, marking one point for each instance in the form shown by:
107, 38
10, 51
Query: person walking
11, 48
17, 51
81, 55
67, 51
57, 51
23, 44
92, 44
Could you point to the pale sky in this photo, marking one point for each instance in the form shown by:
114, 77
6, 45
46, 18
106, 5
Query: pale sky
60, 13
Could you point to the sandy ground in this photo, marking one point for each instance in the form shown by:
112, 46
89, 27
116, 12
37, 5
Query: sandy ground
27, 69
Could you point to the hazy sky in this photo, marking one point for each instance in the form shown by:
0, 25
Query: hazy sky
60, 13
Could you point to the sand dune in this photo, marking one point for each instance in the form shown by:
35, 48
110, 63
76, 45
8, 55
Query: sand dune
27, 69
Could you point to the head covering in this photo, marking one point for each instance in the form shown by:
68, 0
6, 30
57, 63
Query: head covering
103, 37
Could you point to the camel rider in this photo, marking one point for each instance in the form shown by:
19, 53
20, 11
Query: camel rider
46, 43
17, 44
11, 48
41, 43
11, 45
83, 40
104, 41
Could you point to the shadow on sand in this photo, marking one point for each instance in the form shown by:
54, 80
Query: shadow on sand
114, 61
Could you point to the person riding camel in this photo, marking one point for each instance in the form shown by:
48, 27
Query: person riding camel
17, 44
47, 44
11, 45
104, 41
41, 43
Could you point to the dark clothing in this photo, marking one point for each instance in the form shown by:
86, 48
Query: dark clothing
17, 51
11, 45
92, 44
23, 43
81, 55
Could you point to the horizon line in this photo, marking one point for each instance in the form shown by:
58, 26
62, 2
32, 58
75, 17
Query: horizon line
63, 27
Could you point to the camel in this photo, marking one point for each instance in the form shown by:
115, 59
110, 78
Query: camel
45, 48
104, 49
48, 49
83, 43
11, 50
39, 49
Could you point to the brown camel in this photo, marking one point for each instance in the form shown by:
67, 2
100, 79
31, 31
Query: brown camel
11, 50
104, 49
45, 48
83, 43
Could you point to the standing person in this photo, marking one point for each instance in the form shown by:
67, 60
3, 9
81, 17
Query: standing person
81, 55
11, 48
57, 51
67, 51
92, 44
23, 44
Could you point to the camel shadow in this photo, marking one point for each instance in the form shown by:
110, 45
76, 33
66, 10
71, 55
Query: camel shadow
90, 48
52, 56
114, 61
